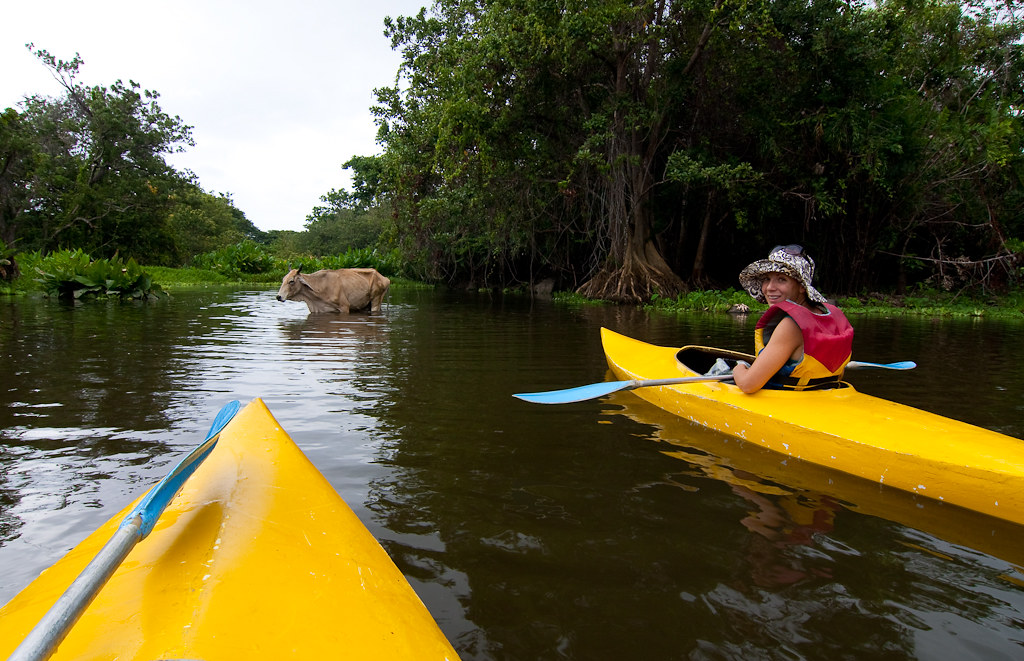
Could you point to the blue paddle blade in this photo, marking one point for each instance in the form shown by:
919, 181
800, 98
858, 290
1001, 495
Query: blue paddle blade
152, 506
592, 391
902, 365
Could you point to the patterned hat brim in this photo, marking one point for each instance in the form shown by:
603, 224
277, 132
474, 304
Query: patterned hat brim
752, 276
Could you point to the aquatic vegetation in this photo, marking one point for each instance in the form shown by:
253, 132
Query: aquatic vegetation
73, 274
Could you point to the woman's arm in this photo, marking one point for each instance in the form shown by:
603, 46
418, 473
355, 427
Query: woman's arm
785, 340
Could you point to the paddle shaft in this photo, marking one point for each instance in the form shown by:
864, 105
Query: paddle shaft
596, 390
53, 627
43, 640
650, 383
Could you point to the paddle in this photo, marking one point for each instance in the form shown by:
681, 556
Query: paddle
595, 390
44, 638
902, 365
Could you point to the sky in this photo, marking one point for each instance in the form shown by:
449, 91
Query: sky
278, 93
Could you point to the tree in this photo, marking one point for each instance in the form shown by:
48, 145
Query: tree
90, 170
542, 119
343, 221
17, 154
199, 223
615, 143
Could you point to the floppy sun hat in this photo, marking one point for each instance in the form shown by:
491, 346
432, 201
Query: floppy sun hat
790, 260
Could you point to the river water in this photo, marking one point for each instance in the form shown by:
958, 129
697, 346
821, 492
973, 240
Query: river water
598, 530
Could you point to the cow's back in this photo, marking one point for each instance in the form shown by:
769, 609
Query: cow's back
362, 288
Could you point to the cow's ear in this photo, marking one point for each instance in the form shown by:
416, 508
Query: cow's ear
302, 281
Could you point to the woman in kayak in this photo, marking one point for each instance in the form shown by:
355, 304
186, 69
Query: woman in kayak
802, 342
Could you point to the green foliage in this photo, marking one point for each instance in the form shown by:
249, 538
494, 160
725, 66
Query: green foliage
88, 169
199, 223
389, 264
250, 261
535, 137
175, 277
7, 261
74, 275
574, 298
242, 258
341, 223
706, 301
931, 302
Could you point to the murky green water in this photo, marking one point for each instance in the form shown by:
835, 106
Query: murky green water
598, 530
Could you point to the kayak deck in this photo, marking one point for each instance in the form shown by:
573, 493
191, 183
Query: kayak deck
846, 430
258, 557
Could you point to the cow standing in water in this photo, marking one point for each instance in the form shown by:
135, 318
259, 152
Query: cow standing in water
335, 290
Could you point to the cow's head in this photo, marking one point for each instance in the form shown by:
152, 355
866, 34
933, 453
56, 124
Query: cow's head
292, 285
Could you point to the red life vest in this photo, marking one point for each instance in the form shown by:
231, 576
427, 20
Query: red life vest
828, 345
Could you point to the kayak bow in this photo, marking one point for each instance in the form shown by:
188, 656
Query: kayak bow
258, 557
878, 440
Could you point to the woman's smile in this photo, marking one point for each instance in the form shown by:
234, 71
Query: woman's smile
778, 287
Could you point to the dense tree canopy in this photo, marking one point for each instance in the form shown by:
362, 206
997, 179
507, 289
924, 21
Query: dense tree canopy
637, 147
87, 170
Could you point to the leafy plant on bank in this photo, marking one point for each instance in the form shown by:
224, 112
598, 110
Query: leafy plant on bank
705, 301
249, 258
8, 264
388, 263
243, 258
75, 275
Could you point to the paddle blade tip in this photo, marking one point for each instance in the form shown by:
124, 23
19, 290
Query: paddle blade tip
556, 397
570, 395
224, 417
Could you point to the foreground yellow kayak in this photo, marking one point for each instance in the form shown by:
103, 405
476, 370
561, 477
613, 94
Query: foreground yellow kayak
872, 438
257, 558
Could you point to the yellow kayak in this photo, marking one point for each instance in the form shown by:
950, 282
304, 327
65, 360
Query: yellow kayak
258, 557
846, 430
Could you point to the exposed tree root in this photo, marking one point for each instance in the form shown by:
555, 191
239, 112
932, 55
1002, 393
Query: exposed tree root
635, 281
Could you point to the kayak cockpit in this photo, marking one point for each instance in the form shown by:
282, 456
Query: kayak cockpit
700, 360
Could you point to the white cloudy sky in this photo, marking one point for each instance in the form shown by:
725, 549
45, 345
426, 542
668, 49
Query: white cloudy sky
278, 93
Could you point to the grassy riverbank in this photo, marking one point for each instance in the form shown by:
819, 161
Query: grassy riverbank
923, 302
185, 278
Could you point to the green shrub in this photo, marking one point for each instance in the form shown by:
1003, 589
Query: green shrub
389, 264
706, 301
75, 275
7, 262
246, 257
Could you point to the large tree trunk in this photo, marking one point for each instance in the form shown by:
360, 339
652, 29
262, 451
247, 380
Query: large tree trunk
634, 269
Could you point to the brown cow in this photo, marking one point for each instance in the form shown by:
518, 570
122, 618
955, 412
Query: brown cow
335, 290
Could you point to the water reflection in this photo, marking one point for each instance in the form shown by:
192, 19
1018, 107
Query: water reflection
589, 530
803, 544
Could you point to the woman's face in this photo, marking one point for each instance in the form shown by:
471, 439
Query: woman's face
778, 287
